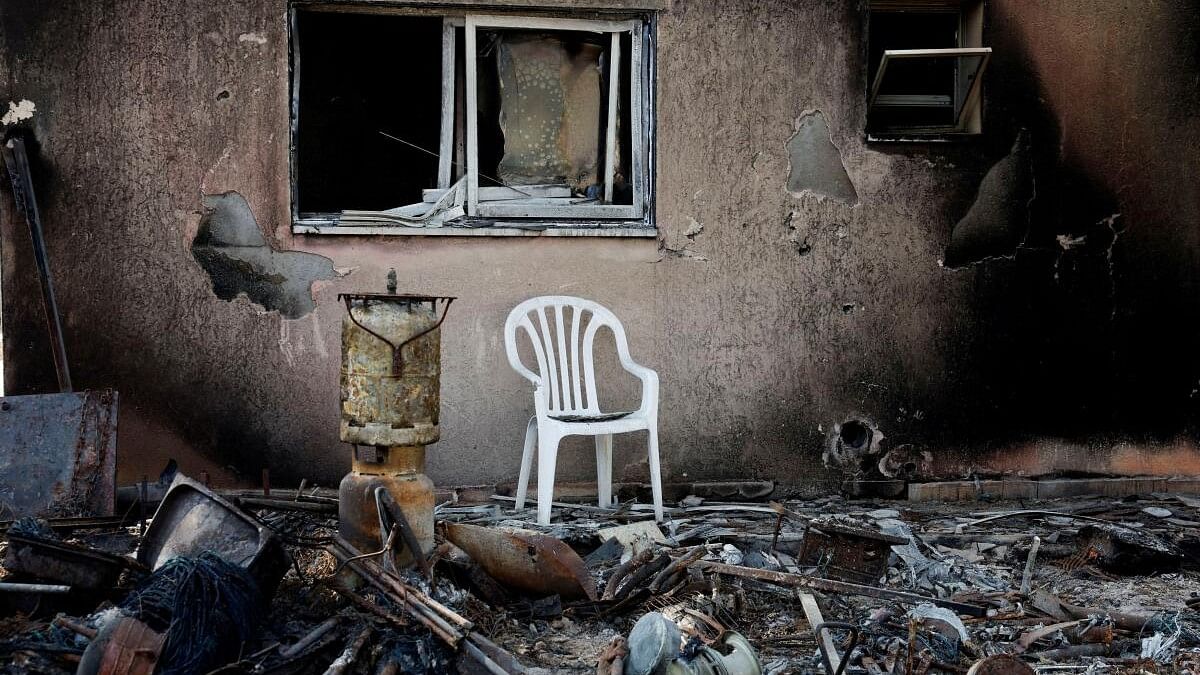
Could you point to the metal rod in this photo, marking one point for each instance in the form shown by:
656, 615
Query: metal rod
17, 162
829, 585
483, 659
350, 560
386, 504
34, 588
430, 613
421, 613
307, 641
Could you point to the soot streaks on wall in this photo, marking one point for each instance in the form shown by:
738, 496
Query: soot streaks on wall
238, 259
1086, 331
999, 217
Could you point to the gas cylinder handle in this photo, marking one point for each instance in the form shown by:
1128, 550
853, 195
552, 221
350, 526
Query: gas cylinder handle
397, 349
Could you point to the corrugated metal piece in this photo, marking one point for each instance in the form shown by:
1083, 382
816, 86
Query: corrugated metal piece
58, 454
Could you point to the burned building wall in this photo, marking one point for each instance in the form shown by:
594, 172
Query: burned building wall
802, 276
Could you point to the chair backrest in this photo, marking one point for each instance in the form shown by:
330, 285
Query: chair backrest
563, 329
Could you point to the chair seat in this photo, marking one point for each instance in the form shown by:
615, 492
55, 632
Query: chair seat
601, 423
599, 417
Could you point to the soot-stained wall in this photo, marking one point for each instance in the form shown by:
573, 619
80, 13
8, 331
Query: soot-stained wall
1024, 300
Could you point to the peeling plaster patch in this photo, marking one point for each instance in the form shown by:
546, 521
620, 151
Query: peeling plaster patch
231, 249
253, 38
18, 111
998, 220
295, 341
694, 228
797, 236
815, 163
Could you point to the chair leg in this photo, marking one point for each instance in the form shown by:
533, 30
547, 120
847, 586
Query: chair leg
546, 457
604, 460
655, 473
526, 461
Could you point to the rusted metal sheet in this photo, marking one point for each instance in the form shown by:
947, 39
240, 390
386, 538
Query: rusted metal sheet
525, 560
63, 563
846, 550
58, 454
192, 520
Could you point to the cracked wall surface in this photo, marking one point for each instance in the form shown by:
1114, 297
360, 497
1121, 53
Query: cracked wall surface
1082, 336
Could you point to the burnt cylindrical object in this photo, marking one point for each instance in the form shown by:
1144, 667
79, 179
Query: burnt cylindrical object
390, 382
391, 369
399, 470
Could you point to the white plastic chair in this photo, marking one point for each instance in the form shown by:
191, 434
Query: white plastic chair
564, 394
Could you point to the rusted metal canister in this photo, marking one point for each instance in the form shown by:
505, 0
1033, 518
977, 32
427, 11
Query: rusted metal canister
391, 379
399, 470
391, 369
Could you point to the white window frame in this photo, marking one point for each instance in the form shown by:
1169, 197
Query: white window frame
964, 113
968, 108
501, 209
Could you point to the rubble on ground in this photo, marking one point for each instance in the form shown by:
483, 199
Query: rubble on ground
1081, 585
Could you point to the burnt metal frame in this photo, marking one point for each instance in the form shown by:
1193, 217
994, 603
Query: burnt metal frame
575, 225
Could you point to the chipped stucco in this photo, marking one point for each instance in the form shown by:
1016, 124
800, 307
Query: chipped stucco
815, 163
18, 111
239, 261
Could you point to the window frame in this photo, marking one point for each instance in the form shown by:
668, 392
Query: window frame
496, 218
967, 97
970, 103
614, 29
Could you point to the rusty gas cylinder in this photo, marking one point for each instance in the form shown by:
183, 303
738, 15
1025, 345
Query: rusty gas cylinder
391, 379
399, 470
391, 368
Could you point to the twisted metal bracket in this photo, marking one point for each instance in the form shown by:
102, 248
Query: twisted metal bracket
398, 349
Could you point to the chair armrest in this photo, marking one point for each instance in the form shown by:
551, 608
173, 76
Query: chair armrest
526, 373
649, 380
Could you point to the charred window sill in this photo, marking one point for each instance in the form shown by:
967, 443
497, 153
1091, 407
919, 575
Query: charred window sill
482, 228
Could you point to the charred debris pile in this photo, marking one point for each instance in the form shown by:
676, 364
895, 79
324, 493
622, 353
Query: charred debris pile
387, 574
260, 581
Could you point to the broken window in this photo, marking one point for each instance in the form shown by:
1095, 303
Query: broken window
488, 118
925, 67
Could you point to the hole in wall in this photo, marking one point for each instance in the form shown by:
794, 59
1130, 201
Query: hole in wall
853, 445
855, 435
